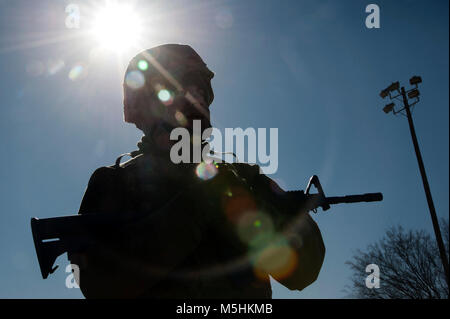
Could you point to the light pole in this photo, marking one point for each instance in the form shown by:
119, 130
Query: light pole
413, 94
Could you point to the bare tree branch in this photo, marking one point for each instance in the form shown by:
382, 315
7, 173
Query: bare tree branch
409, 263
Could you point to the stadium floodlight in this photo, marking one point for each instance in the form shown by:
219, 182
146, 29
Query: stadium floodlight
388, 108
394, 86
413, 93
415, 80
384, 93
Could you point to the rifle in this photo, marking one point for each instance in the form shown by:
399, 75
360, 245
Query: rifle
54, 236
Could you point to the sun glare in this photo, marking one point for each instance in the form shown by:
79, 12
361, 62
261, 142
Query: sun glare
117, 27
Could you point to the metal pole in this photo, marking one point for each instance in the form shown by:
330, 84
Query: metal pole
426, 186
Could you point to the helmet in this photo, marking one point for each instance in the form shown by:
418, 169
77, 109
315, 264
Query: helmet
163, 71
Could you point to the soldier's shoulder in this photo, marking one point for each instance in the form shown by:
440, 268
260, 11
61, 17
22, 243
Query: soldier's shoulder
134, 161
243, 170
247, 168
102, 175
106, 173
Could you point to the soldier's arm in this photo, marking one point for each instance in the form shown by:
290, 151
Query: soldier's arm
303, 234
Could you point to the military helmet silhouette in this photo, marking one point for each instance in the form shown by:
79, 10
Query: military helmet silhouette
163, 71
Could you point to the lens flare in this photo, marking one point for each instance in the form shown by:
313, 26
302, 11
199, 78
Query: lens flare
255, 229
54, 66
238, 203
278, 259
206, 171
77, 72
142, 65
164, 95
135, 79
181, 119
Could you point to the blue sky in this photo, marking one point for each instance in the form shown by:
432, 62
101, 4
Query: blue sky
309, 68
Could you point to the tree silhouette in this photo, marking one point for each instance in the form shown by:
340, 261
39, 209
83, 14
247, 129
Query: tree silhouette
409, 263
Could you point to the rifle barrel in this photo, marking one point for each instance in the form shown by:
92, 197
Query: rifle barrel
368, 197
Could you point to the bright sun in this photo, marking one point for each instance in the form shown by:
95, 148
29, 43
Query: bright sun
117, 27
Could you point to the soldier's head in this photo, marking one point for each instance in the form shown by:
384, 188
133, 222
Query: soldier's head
167, 85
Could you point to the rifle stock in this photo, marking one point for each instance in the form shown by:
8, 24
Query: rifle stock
54, 236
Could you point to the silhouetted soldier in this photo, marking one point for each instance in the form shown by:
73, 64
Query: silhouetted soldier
201, 230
